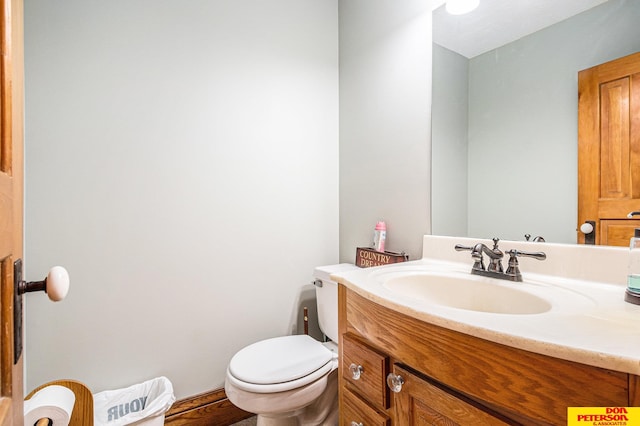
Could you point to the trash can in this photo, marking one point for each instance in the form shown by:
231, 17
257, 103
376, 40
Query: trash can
141, 404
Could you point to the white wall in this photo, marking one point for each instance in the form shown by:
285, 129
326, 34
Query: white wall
182, 163
385, 115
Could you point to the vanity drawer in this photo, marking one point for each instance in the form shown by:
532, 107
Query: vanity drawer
366, 370
355, 411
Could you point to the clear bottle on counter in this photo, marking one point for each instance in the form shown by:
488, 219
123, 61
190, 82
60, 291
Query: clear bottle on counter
380, 235
632, 294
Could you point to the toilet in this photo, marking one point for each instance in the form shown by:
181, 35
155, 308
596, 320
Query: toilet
292, 380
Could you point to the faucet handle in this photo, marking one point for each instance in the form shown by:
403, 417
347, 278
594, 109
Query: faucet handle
478, 261
536, 255
477, 256
513, 269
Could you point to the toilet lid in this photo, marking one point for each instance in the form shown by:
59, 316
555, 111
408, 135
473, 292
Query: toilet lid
278, 360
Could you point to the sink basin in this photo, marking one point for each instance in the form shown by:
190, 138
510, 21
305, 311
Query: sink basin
467, 292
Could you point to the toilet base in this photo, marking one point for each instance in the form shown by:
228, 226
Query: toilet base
280, 421
321, 411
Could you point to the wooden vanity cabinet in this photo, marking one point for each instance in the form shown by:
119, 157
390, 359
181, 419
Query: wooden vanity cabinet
454, 378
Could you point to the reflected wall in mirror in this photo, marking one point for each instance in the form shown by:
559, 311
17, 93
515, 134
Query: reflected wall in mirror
504, 126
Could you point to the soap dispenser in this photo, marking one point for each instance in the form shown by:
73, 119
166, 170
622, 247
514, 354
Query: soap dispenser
632, 295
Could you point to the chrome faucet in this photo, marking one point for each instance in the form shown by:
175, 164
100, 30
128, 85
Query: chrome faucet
538, 239
495, 255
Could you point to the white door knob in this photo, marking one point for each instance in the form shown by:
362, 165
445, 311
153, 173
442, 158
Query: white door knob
56, 285
586, 228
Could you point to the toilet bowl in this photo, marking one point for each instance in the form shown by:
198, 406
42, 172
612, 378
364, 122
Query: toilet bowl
292, 380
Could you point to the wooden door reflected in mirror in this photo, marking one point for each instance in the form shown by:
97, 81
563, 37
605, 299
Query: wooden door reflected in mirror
609, 149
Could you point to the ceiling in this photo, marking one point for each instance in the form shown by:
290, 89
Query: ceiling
498, 22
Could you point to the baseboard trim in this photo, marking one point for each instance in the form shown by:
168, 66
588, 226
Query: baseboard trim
208, 408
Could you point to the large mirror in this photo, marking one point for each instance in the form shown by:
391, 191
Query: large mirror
504, 120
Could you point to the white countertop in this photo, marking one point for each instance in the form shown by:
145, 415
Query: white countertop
589, 322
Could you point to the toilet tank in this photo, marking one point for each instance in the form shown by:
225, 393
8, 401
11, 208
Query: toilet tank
327, 297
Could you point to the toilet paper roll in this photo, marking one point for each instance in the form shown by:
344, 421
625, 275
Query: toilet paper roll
53, 402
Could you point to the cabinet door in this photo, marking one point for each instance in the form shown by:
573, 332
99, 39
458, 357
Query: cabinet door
419, 402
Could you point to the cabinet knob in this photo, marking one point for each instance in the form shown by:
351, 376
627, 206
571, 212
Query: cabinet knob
395, 382
356, 424
356, 371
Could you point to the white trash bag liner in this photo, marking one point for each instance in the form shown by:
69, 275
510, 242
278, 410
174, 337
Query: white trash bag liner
141, 404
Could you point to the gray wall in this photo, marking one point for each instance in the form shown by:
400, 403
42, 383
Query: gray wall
523, 123
182, 163
385, 100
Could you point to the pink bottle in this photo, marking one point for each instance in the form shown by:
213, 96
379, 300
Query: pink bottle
379, 236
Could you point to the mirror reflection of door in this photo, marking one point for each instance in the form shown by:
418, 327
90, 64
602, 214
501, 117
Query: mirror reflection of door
609, 149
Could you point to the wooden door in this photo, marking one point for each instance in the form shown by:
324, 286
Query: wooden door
11, 201
609, 149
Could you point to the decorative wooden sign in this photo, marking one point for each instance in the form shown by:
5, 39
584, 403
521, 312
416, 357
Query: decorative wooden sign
367, 257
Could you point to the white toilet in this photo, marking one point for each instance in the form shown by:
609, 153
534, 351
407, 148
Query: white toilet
292, 380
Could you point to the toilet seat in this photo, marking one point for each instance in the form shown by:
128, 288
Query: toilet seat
280, 364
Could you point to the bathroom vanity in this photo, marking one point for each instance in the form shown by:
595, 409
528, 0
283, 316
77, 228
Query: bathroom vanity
408, 360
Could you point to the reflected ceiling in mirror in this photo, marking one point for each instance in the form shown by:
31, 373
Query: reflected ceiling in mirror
498, 22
